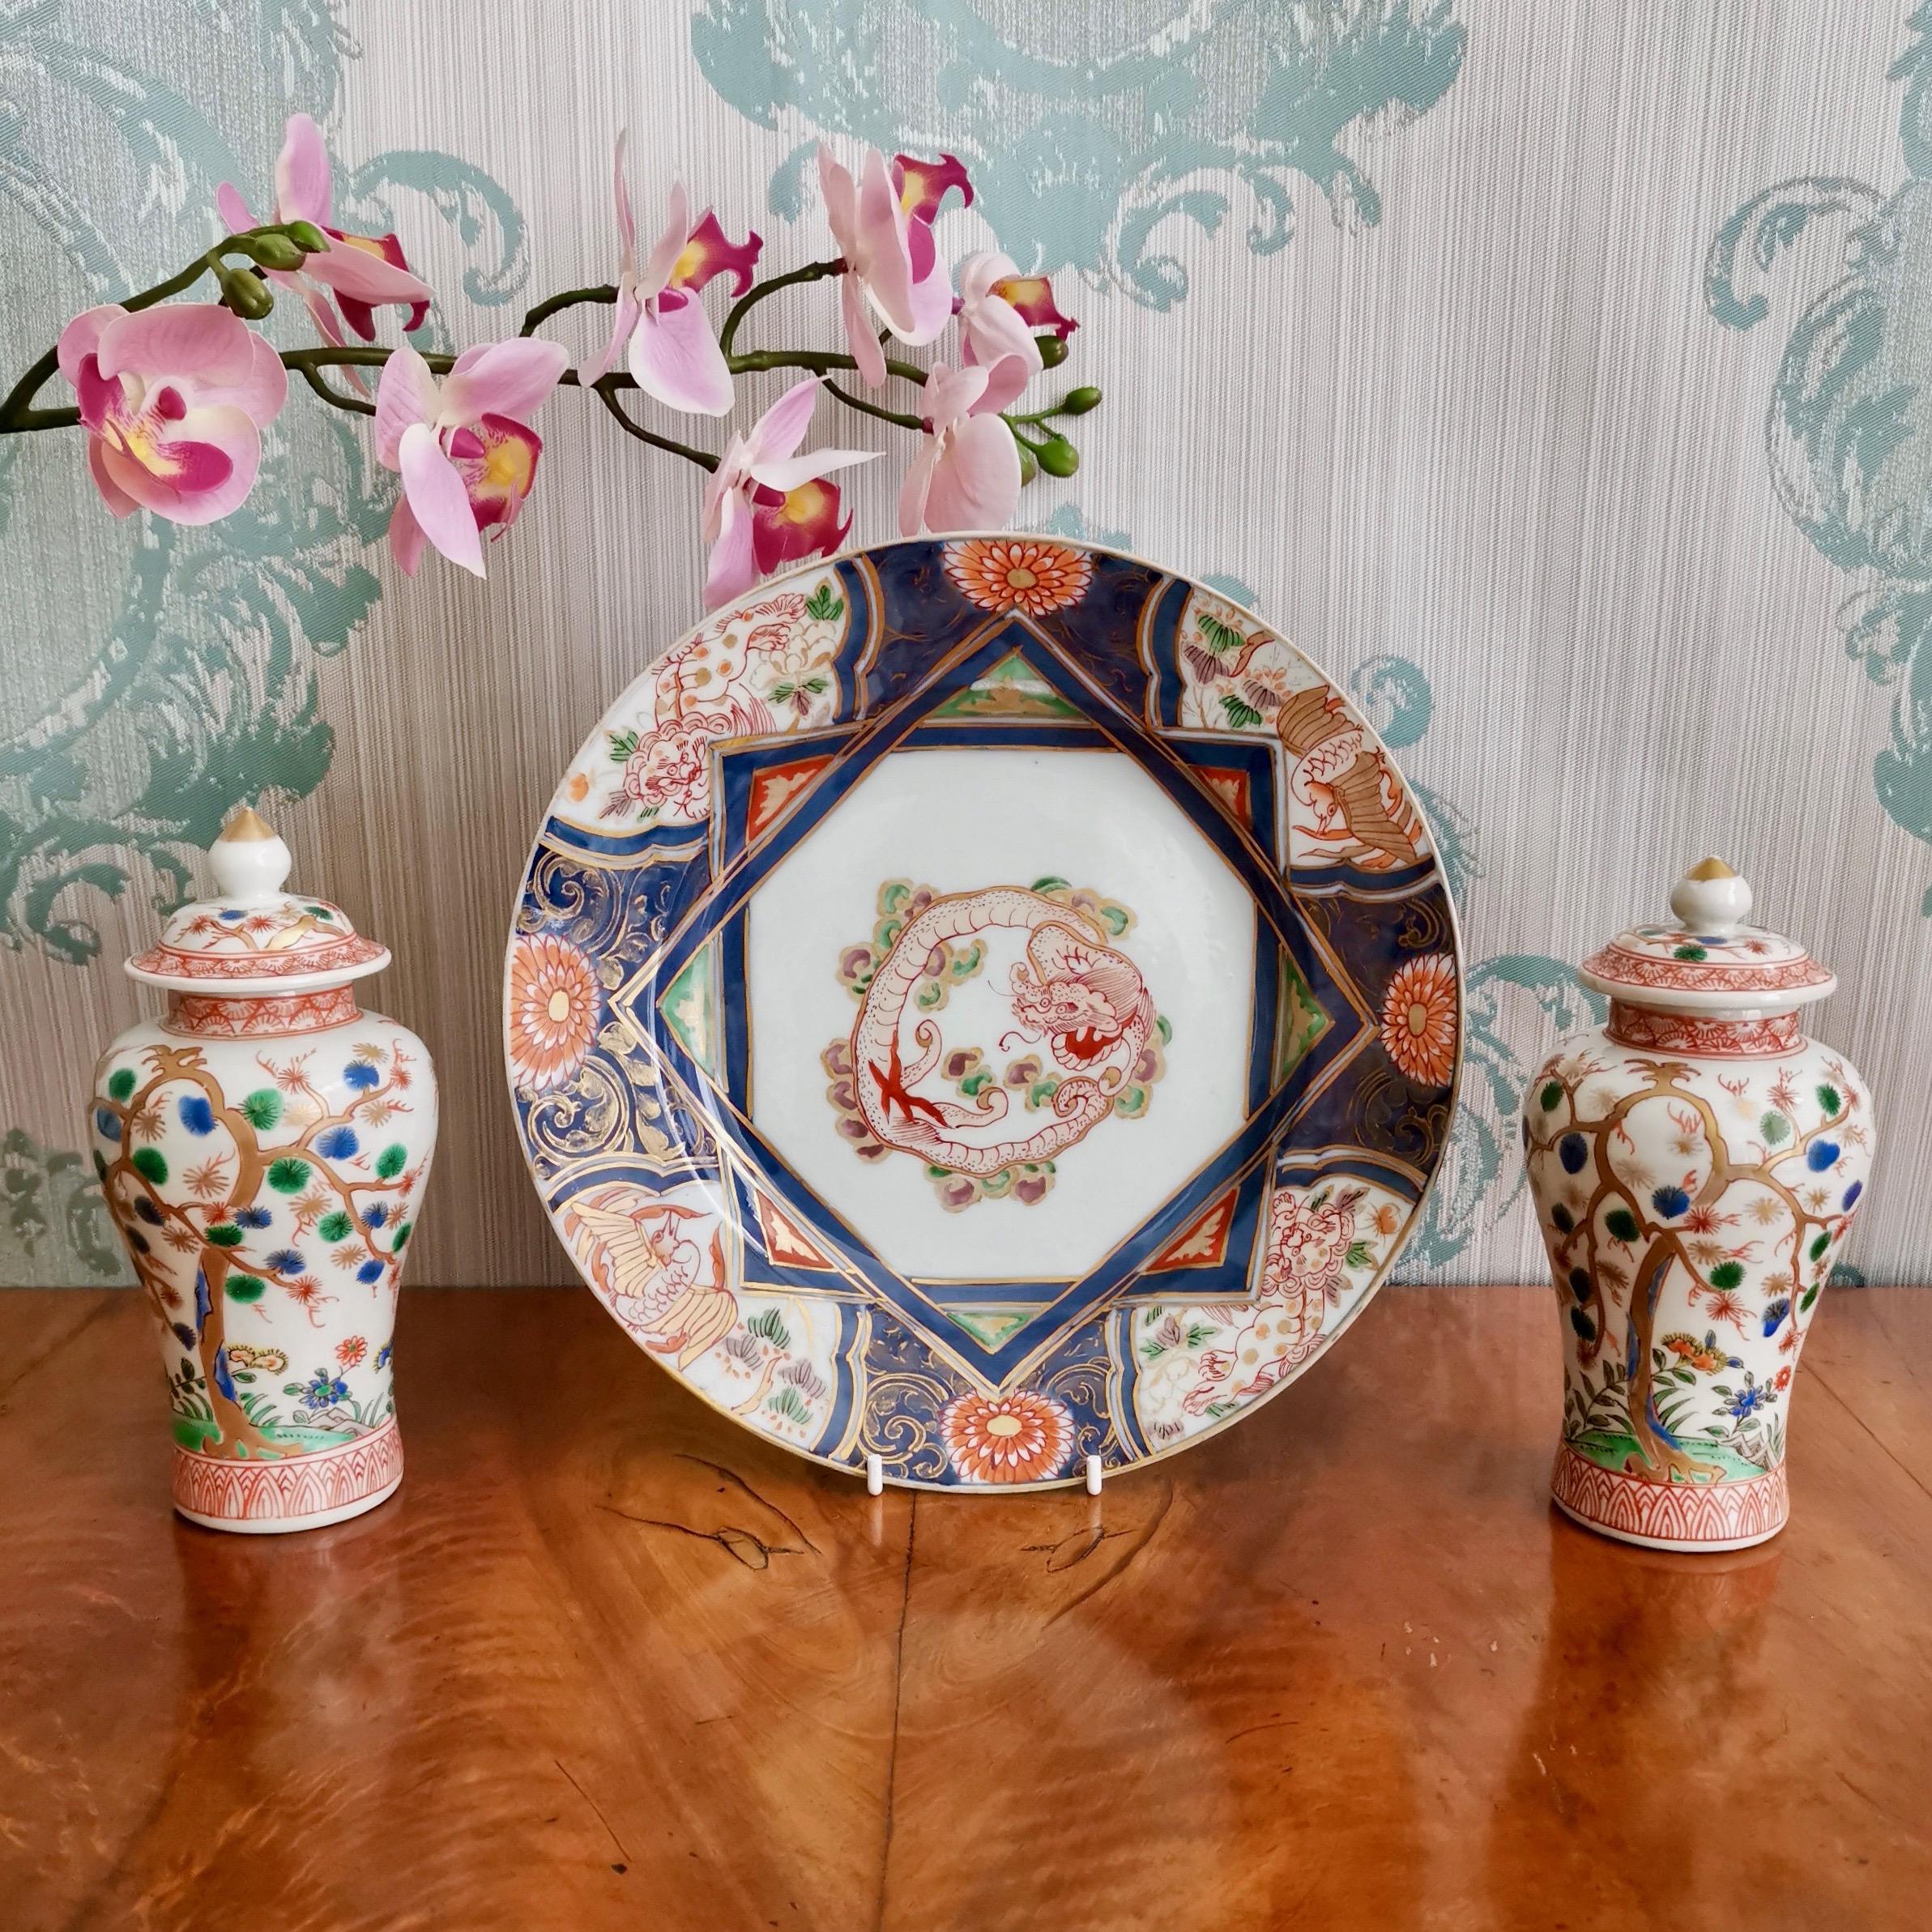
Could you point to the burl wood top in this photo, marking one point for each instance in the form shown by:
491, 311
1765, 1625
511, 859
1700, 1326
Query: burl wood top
606, 1660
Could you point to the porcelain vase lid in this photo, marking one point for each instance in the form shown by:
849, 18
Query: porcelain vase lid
1712, 960
254, 937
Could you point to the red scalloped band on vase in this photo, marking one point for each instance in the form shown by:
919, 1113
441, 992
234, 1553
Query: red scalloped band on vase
1645, 1028
1670, 1512
292, 1487
228, 1016
176, 963
1622, 966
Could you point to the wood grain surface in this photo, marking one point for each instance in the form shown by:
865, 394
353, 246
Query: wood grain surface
606, 1660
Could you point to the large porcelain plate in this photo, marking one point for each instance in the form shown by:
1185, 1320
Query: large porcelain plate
984, 1003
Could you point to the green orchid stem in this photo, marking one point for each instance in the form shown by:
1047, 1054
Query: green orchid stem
605, 390
813, 272
554, 305
18, 415
820, 362
866, 408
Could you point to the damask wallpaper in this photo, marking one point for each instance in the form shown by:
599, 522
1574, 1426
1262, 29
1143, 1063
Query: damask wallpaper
1555, 375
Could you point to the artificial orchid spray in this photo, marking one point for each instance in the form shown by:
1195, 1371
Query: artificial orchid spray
173, 396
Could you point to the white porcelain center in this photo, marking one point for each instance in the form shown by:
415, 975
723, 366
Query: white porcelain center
1036, 978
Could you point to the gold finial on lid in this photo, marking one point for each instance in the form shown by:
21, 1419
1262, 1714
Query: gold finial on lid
1711, 900
250, 861
245, 822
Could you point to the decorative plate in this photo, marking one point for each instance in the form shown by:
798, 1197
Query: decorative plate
984, 1003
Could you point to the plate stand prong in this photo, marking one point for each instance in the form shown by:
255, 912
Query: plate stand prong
1093, 1475
875, 1476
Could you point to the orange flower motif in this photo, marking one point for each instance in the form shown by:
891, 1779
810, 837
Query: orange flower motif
1419, 1019
350, 1352
1016, 1438
1018, 574
553, 1012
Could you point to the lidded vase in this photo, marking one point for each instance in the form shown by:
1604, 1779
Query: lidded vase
263, 1147
1695, 1162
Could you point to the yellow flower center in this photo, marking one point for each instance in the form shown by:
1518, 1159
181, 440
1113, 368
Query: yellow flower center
560, 1005
1019, 578
1418, 1018
1004, 1425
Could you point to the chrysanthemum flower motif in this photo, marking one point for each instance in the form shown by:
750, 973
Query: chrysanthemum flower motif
553, 1000
1419, 1019
1021, 1437
1018, 574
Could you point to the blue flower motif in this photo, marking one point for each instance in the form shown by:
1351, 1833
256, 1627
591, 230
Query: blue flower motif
1852, 1194
369, 1271
147, 1210
1747, 1401
1820, 1155
376, 1217
337, 1144
231, 914
285, 1260
383, 1354
360, 1075
324, 1389
1573, 1151
1775, 1312
253, 1216
197, 1116
1671, 1202
107, 1125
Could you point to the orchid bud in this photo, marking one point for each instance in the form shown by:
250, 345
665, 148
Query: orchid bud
274, 251
1030, 464
1077, 402
1058, 456
246, 293
1053, 351
308, 237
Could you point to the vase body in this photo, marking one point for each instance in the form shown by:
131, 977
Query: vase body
263, 1155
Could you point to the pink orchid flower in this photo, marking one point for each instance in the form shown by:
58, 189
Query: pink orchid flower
361, 272
966, 475
999, 309
766, 504
674, 355
883, 229
174, 401
468, 459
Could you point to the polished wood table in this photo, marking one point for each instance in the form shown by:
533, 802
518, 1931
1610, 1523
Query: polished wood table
606, 1660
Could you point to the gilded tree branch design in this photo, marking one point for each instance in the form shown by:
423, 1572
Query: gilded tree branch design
325, 1163
1631, 1227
